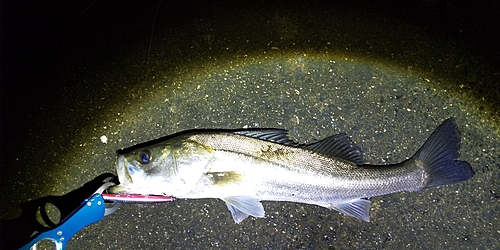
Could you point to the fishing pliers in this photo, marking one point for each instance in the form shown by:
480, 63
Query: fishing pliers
90, 211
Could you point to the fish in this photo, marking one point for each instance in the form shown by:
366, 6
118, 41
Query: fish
247, 166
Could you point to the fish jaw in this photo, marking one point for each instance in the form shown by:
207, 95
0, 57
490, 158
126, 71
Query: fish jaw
123, 177
122, 173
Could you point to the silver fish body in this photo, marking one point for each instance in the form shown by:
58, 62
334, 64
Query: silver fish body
244, 167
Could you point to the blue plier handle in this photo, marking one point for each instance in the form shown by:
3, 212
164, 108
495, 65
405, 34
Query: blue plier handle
90, 211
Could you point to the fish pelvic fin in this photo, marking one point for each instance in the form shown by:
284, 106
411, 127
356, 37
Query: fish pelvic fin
438, 157
243, 206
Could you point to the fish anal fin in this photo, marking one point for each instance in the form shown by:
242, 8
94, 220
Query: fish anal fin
358, 208
339, 146
243, 206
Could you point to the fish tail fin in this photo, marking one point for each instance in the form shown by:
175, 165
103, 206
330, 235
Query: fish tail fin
438, 157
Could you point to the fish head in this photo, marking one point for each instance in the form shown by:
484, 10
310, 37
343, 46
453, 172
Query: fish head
172, 168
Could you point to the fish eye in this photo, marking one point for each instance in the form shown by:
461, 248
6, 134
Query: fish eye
145, 156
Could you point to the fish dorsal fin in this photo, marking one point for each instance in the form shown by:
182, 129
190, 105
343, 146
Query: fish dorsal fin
339, 146
243, 206
279, 136
358, 208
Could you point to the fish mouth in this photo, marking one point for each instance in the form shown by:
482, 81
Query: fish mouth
123, 171
123, 176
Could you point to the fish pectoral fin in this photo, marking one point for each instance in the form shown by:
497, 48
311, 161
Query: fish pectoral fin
359, 208
243, 206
